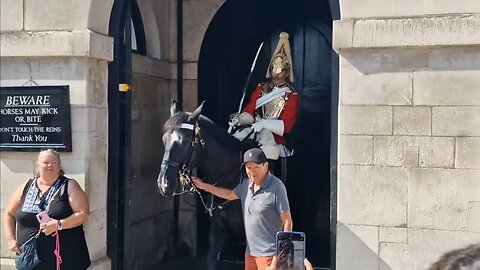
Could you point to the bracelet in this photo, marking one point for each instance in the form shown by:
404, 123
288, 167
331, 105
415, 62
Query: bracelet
59, 225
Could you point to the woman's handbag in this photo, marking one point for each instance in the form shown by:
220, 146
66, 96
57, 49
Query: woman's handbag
28, 258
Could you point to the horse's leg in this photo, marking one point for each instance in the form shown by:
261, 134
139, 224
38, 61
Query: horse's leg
216, 239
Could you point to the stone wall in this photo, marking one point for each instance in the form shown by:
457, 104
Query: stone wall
55, 42
409, 132
87, 163
407, 8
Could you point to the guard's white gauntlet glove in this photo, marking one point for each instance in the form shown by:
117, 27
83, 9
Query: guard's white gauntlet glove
275, 126
240, 119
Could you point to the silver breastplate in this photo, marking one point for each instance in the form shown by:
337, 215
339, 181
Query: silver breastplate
274, 108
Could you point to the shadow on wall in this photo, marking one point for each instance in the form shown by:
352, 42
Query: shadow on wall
358, 248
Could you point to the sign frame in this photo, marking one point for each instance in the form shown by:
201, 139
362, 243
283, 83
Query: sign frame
46, 118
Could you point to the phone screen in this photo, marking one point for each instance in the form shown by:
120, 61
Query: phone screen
290, 250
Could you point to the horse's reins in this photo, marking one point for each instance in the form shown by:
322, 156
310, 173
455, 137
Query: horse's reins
185, 172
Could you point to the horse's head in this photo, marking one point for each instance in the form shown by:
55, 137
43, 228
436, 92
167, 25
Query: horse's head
182, 140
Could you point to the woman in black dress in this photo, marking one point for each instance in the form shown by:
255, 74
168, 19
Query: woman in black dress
67, 211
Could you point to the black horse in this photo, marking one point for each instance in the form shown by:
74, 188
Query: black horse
193, 141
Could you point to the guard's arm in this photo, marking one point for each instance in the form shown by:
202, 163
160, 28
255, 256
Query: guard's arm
241, 119
250, 107
273, 125
289, 114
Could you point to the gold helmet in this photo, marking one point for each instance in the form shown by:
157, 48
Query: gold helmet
282, 58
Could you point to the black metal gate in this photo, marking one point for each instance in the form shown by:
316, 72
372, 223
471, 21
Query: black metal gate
119, 133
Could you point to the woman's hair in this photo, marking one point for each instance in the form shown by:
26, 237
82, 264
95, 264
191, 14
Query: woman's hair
57, 156
467, 258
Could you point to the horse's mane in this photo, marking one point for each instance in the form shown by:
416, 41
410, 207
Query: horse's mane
218, 133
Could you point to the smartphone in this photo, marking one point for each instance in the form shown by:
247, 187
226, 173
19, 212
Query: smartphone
290, 250
43, 217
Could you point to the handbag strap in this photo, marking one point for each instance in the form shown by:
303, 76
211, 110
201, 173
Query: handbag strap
48, 206
58, 257
55, 194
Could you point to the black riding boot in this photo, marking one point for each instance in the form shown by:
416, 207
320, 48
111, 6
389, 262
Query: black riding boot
272, 165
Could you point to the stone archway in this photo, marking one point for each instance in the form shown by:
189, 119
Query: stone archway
228, 49
99, 16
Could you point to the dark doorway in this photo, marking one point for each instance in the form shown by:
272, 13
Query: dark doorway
228, 50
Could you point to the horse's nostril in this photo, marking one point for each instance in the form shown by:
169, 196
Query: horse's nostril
163, 185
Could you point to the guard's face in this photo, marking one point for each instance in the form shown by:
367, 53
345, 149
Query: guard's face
279, 77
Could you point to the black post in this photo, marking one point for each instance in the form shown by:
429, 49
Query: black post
176, 200
335, 11
119, 135
180, 53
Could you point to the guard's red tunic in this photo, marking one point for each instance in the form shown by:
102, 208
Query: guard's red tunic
288, 115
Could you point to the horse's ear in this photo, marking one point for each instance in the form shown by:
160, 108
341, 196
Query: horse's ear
173, 108
195, 114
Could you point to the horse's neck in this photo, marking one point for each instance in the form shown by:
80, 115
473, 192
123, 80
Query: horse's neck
221, 165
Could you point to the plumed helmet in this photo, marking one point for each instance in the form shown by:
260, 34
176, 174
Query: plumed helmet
282, 58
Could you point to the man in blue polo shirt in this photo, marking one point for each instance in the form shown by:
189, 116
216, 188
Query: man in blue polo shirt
265, 208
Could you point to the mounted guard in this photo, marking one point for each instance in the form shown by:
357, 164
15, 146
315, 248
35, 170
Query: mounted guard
272, 108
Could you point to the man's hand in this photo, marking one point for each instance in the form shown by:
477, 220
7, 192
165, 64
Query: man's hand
221, 192
198, 183
307, 264
273, 264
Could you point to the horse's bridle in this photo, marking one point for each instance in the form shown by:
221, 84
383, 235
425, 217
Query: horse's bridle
185, 173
